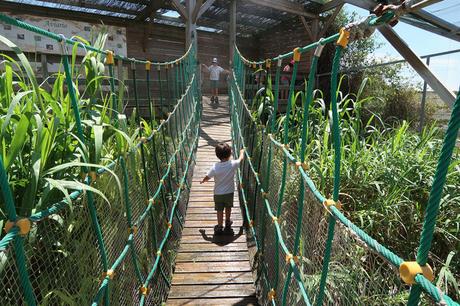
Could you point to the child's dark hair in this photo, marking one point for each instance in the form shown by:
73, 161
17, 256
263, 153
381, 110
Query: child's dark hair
223, 151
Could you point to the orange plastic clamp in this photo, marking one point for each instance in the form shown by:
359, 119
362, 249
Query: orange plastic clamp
254, 65
251, 223
132, 230
296, 55
109, 58
343, 38
303, 165
93, 176
23, 224
328, 203
110, 273
169, 225
144, 290
268, 63
272, 294
143, 140
274, 219
158, 253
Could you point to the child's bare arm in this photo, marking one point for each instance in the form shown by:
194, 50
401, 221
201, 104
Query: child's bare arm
241, 155
205, 179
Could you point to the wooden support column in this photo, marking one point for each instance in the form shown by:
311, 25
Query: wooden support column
416, 63
232, 30
190, 30
44, 64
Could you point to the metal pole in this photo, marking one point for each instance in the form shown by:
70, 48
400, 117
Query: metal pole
422, 106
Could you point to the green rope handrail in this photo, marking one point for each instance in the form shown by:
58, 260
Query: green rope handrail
335, 213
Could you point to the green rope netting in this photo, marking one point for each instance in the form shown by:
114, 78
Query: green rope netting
122, 251
307, 251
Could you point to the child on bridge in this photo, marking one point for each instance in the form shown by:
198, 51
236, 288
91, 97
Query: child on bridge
224, 185
214, 75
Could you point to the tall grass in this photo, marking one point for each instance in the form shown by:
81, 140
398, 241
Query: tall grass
43, 156
386, 175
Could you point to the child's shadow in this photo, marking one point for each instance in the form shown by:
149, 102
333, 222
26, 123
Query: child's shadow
223, 239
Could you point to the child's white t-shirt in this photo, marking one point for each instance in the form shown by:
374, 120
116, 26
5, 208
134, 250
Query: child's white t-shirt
224, 174
214, 72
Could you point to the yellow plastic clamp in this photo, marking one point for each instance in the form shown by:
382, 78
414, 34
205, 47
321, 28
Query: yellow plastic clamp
328, 203
162, 182
132, 230
143, 140
409, 269
271, 295
254, 65
343, 38
290, 256
109, 58
148, 65
93, 176
144, 290
274, 219
23, 224
303, 165
241, 186
268, 63
264, 195
110, 273
296, 55
158, 253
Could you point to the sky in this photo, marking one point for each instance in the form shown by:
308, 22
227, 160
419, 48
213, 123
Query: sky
446, 68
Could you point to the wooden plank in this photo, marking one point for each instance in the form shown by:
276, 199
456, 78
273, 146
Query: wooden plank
211, 270
247, 301
223, 266
210, 278
237, 238
212, 257
210, 247
218, 291
209, 216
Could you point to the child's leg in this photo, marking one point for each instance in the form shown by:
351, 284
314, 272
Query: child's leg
220, 217
228, 214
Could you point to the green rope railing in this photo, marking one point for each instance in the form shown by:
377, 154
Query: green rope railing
178, 130
244, 126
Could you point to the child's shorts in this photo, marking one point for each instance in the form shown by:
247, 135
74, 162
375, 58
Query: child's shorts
214, 84
222, 201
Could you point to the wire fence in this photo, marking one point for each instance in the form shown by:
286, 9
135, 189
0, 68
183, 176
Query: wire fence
114, 238
307, 251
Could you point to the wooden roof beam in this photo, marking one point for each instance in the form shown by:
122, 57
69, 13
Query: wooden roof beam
285, 6
330, 5
182, 10
200, 8
149, 10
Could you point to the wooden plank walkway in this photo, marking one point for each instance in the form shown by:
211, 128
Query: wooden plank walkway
211, 270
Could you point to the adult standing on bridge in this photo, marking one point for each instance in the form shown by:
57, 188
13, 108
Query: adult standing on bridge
214, 75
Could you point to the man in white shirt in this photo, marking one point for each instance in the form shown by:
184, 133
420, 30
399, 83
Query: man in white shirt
214, 76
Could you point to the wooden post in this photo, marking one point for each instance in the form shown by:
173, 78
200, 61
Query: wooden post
416, 63
44, 64
232, 30
190, 29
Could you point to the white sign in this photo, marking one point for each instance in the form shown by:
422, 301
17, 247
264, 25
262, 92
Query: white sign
29, 41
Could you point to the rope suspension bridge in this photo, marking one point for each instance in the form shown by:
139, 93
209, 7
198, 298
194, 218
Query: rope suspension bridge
116, 238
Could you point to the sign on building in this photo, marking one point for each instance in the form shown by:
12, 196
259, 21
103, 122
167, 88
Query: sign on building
28, 41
